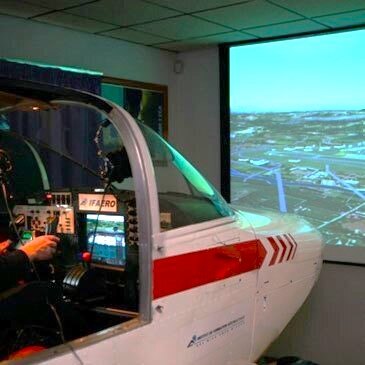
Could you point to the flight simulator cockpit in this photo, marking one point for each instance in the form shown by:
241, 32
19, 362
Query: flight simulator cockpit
105, 188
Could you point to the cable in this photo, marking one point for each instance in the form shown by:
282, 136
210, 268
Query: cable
5, 195
104, 174
102, 125
62, 333
97, 218
107, 168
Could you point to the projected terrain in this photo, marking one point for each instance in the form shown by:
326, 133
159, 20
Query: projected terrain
308, 163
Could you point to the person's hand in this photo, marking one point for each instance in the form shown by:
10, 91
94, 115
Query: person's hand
41, 248
3, 246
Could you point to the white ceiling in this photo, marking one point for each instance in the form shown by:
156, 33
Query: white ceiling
180, 25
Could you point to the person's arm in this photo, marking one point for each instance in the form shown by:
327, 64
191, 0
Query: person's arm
4, 246
14, 266
41, 248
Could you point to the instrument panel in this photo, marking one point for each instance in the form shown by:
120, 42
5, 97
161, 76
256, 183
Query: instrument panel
92, 219
37, 217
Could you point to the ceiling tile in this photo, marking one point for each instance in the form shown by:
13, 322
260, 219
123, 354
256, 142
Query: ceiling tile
205, 41
57, 4
312, 8
300, 26
135, 36
17, 8
344, 19
251, 14
181, 27
124, 12
178, 46
222, 38
73, 22
190, 6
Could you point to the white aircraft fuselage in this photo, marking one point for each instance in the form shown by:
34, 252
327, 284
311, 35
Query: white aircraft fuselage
212, 293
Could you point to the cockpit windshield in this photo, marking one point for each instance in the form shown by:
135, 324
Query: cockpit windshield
183, 192
60, 139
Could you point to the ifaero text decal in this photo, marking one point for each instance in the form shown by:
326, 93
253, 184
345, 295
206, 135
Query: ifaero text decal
98, 202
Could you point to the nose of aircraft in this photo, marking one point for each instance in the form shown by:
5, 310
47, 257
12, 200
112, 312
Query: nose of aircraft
286, 238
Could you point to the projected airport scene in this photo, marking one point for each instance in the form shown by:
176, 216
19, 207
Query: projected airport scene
298, 132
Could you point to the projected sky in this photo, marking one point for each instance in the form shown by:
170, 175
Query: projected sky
314, 73
297, 131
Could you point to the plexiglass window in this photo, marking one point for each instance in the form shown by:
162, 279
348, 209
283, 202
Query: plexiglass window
185, 196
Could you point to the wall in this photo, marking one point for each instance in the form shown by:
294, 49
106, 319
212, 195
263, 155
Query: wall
60, 46
195, 114
330, 327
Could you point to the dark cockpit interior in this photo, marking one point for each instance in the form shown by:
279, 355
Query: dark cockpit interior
53, 184
90, 284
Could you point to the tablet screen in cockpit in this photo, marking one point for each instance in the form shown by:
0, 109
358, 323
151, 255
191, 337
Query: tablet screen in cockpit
106, 238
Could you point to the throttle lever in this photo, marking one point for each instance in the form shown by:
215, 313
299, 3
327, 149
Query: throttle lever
51, 225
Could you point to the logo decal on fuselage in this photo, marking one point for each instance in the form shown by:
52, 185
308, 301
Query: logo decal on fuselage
219, 331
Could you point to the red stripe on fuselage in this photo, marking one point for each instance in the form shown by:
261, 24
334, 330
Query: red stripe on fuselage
284, 248
291, 246
175, 274
276, 250
295, 245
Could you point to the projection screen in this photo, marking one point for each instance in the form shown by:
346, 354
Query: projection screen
297, 133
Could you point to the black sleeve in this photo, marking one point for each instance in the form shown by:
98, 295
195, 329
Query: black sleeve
14, 266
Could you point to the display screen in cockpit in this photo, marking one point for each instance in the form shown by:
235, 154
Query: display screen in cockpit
106, 238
